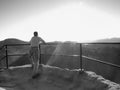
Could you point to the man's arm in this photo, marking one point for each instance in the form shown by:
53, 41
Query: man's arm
42, 41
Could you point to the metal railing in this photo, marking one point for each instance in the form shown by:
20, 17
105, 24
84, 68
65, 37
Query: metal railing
94, 59
81, 56
5, 47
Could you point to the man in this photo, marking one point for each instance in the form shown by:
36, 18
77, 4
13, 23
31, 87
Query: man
35, 53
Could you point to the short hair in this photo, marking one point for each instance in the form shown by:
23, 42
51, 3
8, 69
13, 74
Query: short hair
35, 33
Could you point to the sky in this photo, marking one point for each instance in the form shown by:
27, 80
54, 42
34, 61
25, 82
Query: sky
60, 20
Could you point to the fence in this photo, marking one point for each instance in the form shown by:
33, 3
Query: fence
5, 48
81, 56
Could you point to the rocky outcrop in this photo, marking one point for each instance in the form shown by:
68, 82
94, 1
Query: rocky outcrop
53, 78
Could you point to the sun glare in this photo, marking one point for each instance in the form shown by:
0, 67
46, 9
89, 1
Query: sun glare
73, 22
78, 22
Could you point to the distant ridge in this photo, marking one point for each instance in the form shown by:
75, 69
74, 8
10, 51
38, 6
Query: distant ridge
109, 40
12, 41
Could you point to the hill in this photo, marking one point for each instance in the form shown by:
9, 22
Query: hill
109, 40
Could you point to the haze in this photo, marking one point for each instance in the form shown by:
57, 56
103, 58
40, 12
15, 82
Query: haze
60, 20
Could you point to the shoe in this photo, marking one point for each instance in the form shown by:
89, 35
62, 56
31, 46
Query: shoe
36, 76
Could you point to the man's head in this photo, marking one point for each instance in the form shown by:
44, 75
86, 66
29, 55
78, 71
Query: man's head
35, 33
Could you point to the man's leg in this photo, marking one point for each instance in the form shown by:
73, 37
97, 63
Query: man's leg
31, 58
36, 65
36, 61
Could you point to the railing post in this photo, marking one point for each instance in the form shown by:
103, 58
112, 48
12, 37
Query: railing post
6, 56
81, 67
40, 53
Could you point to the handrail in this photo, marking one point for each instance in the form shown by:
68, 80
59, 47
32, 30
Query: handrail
81, 56
27, 44
16, 54
100, 61
97, 60
17, 44
100, 43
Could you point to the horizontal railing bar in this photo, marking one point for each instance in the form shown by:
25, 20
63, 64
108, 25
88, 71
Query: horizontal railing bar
87, 43
61, 43
43, 54
27, 44
101, 43
107, 63
16, 54
16, 44
62, 55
